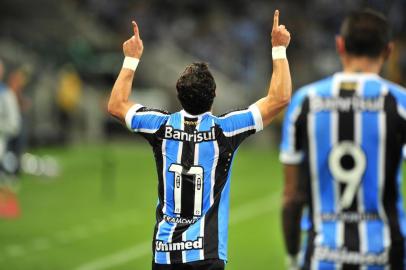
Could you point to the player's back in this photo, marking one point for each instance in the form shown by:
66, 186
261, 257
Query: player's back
193, 155
348, 132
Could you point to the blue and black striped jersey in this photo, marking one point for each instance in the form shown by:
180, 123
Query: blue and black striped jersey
193, 155
346, 133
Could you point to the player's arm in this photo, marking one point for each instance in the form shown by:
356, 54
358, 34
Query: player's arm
119, 104
293, 202
280, 88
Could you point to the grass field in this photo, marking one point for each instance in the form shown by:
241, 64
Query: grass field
99, 213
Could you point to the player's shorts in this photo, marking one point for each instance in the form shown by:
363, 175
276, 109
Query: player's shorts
199, 265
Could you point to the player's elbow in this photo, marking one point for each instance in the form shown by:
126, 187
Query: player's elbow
113, 108
278, 103
284, 101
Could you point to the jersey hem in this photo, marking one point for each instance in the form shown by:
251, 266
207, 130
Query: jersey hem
196, 259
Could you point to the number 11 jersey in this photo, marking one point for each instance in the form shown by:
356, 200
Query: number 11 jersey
193, 155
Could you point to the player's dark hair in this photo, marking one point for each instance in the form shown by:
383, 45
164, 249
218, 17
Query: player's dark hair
196, 88
366, 33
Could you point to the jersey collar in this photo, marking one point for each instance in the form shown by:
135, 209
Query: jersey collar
356, 75
198, 116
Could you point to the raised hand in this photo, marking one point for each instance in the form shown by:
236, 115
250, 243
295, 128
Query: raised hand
134, 47
280, 35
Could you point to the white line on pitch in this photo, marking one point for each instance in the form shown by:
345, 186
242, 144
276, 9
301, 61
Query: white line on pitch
41, 244
79, 232
118, 258
241, 213
15, 250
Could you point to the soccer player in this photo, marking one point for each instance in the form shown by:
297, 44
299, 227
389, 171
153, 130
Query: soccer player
342, 149
10, 123
194, 151
10, 119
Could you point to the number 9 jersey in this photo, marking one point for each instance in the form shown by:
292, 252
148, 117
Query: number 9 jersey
346, 134
193, 155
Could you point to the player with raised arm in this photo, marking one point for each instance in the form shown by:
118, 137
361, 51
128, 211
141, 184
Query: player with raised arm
342, 149
194, 151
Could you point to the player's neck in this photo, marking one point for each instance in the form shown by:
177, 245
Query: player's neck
362, 65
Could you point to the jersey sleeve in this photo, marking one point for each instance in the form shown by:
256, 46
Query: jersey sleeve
291, 148
240, 124
144, 120
400, 95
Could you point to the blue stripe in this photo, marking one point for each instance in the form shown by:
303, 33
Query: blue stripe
172, 148
401, 212
326, 266
206, 150
206, 159
322, 134
163, 235
372, 89
148, 121
326, 181
192, 233
370, 181
370, 144
171, 157
223, 214
376, 267
236, 121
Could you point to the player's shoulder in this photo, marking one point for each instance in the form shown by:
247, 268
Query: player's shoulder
234, 112
233, 118
397, 91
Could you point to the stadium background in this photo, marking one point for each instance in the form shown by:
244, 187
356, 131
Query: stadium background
98, 211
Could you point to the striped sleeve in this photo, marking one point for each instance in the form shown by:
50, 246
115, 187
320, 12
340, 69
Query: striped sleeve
239, 124
291, 150
144, 120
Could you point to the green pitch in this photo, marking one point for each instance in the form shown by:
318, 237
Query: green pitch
99, 213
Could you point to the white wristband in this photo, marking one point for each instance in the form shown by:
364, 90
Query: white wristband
279, 52
131, 63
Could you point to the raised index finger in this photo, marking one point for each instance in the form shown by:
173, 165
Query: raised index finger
276, 19
136, 30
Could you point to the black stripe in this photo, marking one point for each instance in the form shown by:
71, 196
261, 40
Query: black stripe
346, 133
391, 192
146, 109
187, 161
187, 203
309, 249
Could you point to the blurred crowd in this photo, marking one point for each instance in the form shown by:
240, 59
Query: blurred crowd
61, 57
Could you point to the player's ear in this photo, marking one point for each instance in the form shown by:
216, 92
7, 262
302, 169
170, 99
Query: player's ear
340, 45
388, 50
